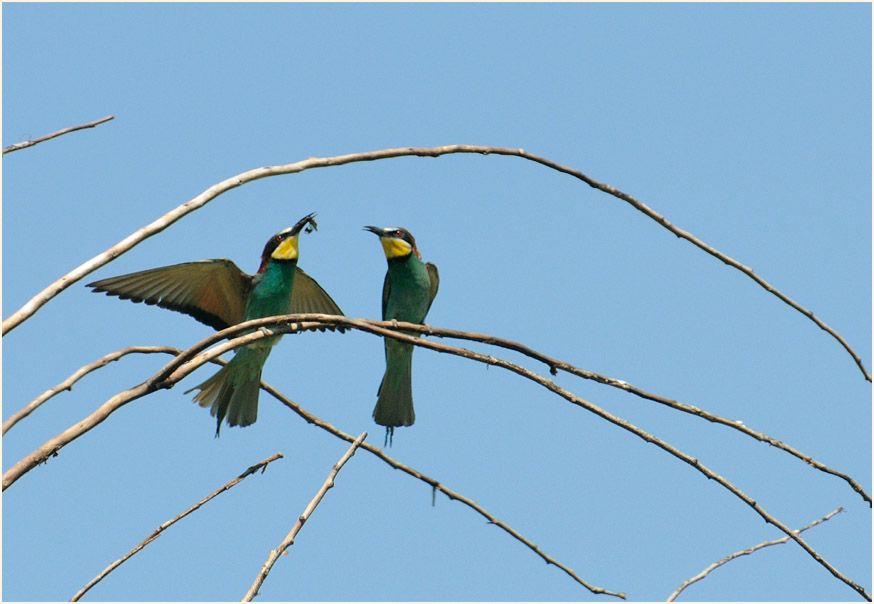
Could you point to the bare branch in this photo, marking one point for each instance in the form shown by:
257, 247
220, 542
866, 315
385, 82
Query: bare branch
67, 384
261, 465
442, 332
214, 191
557, 364
746, 552
308, 511
158, 381
36, 141
437, 486
176, 370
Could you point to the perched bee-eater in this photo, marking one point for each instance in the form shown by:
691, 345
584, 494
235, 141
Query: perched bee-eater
409, 288
218, 293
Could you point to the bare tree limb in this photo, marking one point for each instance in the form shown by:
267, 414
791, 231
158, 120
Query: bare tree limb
52, 446
261, 465
214, 191
370, 327
182, 365
307, 512
36, 141
68, 383
746, 552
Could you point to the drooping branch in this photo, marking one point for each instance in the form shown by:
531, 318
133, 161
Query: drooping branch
746, 552
67, 384
184, 364
261, 465
557, 364
36, 141
214, 191
307, 512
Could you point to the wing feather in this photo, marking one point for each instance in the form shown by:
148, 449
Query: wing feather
308, 296
212, 291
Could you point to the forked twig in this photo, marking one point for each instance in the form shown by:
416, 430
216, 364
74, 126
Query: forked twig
67, 384
273, 556
746, 552
36, 141
262, 465
214, 191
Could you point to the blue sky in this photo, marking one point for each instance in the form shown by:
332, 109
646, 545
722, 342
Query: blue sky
748, 125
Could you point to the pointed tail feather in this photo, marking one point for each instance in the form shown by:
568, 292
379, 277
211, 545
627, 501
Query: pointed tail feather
232, 392
394, 405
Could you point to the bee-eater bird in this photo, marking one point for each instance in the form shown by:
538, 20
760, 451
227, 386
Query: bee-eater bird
219, 294
407, 293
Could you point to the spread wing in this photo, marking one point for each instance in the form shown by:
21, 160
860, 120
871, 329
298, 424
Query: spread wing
308, 296
212, 291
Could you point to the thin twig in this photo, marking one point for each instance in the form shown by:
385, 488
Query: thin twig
158, 381
437, 486
307, 512
182, 365
214, 191
36, 141
261, 465
746, 552
68, 383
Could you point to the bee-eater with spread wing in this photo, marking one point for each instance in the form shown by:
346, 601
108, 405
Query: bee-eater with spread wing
407, 293
219, 294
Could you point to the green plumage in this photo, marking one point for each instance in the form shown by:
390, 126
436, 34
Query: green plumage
408, 291
232, 393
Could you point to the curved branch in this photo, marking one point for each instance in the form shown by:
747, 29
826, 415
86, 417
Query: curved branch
68, 383
307, 512
369, 327
261, 465
184, 364
214, 191
36, 141
746, 552
557, 364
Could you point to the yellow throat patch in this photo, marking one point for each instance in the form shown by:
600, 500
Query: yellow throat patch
287, 250
395, 248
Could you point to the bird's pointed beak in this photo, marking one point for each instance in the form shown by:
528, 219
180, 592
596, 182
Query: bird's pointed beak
308, 221
375, 230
